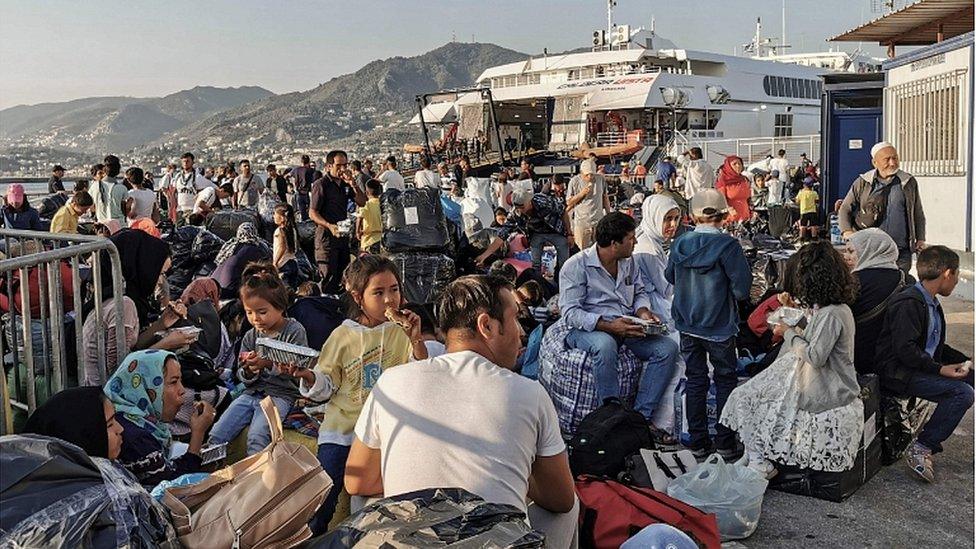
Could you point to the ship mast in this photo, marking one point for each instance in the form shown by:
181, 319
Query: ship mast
610, 6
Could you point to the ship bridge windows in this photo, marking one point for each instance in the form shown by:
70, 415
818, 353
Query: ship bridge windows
797, 88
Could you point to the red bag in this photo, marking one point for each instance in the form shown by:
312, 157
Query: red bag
611, 513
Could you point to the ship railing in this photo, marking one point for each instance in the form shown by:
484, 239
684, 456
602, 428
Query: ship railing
41, 343
754, 149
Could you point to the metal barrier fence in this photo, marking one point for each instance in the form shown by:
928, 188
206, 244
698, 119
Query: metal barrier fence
36, 263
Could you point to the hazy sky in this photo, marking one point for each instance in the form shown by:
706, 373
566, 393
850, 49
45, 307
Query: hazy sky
55, 50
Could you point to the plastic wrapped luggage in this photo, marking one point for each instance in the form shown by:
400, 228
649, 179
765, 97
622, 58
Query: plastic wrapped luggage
902, 419
205, 247
413, 220
443, 517
224, 223
838, 486
306, 236
181, 245
53, 495
268, 200
423, 275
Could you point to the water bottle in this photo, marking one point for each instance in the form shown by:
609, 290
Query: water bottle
835, 236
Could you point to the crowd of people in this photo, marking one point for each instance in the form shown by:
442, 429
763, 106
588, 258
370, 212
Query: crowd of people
407, 402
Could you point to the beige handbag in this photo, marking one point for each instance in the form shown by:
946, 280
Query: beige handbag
264, 500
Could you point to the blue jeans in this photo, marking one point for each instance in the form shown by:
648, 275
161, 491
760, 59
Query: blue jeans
301, 205
558, 241
245, 411
697, 353
333, 459
659, 355
953, 397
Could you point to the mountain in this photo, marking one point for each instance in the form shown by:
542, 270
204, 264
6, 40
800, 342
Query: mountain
379, 94
100, 124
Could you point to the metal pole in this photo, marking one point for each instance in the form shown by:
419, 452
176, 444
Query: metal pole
57, 323
118, 289
99, 321
25, 322
421, 104
494, 122
76, 304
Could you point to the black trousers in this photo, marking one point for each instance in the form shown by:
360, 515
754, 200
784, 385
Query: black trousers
331, 257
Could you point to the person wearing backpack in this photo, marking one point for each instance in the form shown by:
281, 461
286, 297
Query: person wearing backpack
887, 198
873, 255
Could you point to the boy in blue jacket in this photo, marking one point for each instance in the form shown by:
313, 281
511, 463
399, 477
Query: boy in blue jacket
710, 273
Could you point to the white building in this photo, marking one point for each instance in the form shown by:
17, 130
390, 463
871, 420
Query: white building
928, 110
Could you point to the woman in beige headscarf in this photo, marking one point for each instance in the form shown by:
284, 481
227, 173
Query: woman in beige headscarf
873, 256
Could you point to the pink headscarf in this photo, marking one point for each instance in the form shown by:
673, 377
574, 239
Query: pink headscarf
200, 289
146, 225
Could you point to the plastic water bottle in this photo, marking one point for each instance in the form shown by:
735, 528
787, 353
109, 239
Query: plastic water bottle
835, 236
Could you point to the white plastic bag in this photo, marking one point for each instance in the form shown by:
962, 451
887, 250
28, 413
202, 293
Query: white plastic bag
730, 490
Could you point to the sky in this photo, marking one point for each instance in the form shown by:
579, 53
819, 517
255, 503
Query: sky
57, 50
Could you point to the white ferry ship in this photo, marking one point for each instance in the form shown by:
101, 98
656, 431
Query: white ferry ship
634, 90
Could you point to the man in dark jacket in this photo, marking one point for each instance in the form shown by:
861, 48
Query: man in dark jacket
887, 198
55, 184
914, 360
710, 274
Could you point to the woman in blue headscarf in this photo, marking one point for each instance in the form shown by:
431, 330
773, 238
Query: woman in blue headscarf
147, 392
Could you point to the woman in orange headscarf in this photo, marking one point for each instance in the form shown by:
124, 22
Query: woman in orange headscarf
736, 188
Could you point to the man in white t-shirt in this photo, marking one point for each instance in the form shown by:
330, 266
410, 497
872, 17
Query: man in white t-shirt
426, 177
466, 420
391, 178
782, 165
208, 198
187, 183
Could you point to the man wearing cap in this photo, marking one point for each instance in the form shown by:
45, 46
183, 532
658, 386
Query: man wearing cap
710, 274
55, 185
887, 198
541, 218
588, 202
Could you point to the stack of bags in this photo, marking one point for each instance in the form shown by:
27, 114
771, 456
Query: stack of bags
416, 238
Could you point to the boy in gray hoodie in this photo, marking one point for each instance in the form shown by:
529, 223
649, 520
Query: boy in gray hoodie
710, 273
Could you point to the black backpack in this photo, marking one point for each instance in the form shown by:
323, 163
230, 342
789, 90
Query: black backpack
605, 438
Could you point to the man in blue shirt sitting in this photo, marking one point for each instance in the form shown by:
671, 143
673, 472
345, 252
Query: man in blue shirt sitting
599, 287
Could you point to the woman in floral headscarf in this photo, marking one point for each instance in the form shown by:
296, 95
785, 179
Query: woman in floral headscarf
147, 391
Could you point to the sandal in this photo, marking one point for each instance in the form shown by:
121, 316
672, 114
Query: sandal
662, 437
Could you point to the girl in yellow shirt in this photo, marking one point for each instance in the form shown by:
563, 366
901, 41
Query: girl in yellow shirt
377, 335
